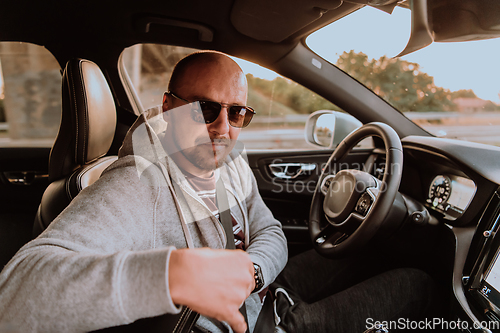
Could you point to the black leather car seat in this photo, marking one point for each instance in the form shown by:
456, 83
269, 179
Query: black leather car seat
87, 128
77, 160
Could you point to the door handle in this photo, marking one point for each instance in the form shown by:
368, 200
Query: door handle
24, 177
292, 170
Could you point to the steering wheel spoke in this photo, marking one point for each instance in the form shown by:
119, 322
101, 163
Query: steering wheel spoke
330, 236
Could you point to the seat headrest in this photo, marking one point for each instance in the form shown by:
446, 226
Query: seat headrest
88, 119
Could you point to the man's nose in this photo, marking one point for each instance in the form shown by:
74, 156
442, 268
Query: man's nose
221, 124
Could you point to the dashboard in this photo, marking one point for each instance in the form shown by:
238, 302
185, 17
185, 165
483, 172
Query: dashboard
458, 182
445, 176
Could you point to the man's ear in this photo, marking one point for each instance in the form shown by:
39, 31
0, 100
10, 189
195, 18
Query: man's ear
165, 102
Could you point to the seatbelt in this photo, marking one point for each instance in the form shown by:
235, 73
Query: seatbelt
224, 213
265, 321
227, 223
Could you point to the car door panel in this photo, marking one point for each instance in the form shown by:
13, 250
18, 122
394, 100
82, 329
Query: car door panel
23, 178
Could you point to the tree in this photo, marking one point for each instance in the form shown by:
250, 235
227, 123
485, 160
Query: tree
399, 82
463, 93
284, 94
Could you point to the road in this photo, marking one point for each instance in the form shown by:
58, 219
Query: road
293, 138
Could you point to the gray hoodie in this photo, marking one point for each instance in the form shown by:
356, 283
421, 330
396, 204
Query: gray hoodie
104, 260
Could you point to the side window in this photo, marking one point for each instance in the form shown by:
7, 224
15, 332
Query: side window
149, 66
30, 95
282, 106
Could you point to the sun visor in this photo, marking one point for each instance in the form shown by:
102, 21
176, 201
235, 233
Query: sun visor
459, 21
451, 21
274, 21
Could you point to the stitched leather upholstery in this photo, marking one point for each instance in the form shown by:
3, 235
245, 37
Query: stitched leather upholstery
87, 128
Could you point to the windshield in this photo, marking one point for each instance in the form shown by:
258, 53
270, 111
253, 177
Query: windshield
450, 89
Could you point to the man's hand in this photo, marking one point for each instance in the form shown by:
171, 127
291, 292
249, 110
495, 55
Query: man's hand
214, 283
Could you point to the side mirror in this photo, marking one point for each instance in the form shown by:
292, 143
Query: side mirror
327, 129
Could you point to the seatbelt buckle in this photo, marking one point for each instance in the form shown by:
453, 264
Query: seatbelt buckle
377, 328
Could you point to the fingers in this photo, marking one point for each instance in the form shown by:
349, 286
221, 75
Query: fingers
236, 320
212, 282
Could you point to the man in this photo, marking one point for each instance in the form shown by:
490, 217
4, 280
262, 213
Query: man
141, 241
200, 135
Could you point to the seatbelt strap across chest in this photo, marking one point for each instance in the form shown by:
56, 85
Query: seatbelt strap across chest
225, 213
227, 223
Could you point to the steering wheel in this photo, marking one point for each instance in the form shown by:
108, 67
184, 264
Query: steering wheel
348, 208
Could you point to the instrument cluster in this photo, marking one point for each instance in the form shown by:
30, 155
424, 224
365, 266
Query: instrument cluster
450, 195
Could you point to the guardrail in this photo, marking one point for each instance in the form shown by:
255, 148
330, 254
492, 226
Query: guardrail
291, 118
412, 115
432, 115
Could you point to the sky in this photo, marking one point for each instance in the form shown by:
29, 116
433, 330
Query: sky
255, 70
462, 65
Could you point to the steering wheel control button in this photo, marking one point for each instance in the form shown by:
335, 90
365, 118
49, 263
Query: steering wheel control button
325, 184
364, 204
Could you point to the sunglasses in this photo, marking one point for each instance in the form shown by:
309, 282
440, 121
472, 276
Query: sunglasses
206, 112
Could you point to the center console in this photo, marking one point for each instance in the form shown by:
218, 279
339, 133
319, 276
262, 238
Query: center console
481, 276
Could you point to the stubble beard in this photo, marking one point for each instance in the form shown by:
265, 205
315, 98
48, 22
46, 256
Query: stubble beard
203, 156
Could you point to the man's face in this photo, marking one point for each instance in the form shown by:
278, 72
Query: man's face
204, 146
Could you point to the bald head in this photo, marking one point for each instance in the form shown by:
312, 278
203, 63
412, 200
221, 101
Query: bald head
191, 66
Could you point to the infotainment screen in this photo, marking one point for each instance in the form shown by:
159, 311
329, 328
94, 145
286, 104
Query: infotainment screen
490, 287
481, 274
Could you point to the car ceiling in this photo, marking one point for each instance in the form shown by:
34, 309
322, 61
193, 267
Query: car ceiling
258, 30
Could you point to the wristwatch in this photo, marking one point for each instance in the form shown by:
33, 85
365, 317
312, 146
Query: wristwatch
259, 278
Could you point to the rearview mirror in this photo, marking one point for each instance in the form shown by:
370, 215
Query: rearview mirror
451, 21
327, 129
